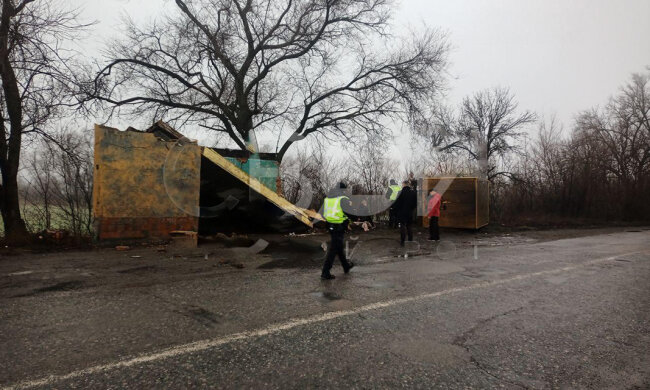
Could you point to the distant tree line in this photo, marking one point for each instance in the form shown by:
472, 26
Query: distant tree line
39, 81
239, 68
597, 171
601, 170
328, 81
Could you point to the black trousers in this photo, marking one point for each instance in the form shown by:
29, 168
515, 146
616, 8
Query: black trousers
392, 218
336, 248
404, 230
434, 230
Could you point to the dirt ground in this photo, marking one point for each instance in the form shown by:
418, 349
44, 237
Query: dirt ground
29, 272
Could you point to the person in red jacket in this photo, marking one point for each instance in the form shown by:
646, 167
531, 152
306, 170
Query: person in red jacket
433, 212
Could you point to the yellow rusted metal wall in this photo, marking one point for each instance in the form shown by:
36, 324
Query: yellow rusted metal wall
144, 187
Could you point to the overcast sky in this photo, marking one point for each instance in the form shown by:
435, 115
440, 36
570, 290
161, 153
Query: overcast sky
556, 56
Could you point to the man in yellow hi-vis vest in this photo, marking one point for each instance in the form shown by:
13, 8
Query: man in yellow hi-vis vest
337, 223
391, 194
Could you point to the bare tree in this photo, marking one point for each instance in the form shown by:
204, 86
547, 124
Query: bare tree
485, 128
622, 131
371, 167
623, 128
37, 189
311, 172
426, 161
289, 67
36, 79
601, 170
57, 190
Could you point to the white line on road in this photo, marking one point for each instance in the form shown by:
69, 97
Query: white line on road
276, 328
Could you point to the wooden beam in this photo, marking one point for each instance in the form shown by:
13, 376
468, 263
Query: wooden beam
301, 214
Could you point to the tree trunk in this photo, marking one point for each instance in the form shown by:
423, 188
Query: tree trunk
14, 225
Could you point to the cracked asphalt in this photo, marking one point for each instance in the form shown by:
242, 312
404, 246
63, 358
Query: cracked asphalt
565, 313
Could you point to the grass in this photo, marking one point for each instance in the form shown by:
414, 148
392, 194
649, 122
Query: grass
35, 220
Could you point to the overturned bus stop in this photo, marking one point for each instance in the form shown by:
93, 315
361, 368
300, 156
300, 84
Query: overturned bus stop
155, 183
465, 201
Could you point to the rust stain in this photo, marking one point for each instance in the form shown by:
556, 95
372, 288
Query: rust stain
134, 196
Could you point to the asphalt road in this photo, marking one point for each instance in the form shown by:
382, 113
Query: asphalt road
571, 313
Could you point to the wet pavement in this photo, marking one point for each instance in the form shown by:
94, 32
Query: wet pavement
522, 313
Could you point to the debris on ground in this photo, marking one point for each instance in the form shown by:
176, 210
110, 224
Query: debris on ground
258, 247
365, 225
184, 239
53, 234
232, 241
122, 248
312, 233
231, 263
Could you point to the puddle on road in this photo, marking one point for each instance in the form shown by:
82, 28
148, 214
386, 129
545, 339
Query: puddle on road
331, 300
139, 269
62, 286
204, 316
411, 255
325, 295
380, 285
473, 275
298, 260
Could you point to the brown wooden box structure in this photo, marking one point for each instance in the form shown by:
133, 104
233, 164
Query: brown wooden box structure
137, 196
466, 201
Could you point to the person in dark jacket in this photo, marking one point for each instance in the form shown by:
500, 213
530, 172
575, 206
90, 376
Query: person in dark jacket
336, 208
404, 207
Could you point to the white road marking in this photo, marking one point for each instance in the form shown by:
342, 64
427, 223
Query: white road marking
277, 328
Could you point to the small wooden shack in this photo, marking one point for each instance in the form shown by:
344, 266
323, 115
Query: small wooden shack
466, 201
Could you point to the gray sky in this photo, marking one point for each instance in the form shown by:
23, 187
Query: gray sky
556, 56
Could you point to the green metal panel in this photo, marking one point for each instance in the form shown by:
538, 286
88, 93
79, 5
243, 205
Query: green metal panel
265, 171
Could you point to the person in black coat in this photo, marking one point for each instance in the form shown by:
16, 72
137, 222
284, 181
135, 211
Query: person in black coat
405, 206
